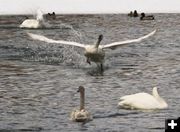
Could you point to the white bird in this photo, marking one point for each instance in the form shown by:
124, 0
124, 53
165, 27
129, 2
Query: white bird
81, 115
143, 101
93, 52
34, 23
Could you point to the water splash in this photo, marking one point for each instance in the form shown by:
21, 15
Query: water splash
39, 15
76, 33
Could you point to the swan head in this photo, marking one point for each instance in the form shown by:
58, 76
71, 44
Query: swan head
100, 37
80, 89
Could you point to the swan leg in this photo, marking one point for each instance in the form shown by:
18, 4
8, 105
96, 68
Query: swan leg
88, 61
101, 66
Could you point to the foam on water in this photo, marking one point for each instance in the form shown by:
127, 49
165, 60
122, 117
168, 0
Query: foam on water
39, 15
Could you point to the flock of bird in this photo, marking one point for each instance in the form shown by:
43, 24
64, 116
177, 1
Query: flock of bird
96, 53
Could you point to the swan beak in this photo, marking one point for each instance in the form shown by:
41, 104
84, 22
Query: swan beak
100, 37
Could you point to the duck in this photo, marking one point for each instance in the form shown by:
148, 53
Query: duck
130, 14
51, 16
34, 23
81, 114
144, 17
133, 14
143, 101
93, 52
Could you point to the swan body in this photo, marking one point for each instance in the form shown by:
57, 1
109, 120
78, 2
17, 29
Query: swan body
31, 23
143, 101
94, 53
81, 115
34, 23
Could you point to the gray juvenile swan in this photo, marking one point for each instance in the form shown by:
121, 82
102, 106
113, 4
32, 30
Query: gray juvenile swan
95, 52
143, 101
81, 115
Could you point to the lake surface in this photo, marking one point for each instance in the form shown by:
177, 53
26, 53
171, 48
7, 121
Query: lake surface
39, 81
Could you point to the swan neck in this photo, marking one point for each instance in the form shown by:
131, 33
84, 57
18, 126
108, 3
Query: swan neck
158, 98
98, 42
82, 100
155, 93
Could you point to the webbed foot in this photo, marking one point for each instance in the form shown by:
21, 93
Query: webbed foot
88, 61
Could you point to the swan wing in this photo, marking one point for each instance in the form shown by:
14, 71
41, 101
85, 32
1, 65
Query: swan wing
136, 96
45, 39
116, 44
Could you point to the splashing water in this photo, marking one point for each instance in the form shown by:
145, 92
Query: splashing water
51, 55
76, 33
71, 55
39, 15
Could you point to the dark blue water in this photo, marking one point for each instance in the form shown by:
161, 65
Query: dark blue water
38, 81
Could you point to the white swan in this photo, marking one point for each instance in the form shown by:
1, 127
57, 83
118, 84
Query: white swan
143, 101
34, 23
81, 115
93, 52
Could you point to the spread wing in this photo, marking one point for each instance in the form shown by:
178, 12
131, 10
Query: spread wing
45, 39
116, 44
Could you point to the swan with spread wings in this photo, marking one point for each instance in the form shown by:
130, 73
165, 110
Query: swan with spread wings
93, 52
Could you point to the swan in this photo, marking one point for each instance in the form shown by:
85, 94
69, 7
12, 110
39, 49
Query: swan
81, 115
143, 101
94, 52
34, 23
